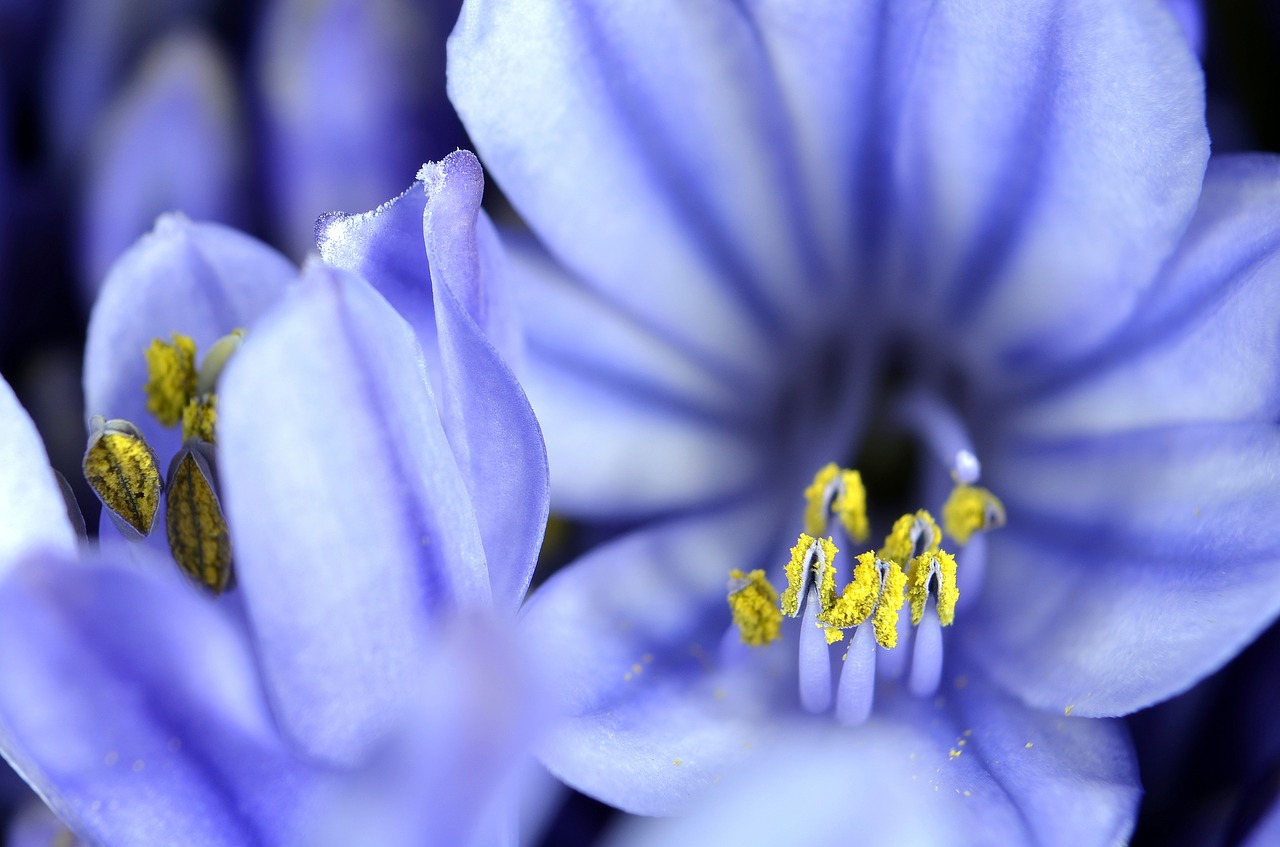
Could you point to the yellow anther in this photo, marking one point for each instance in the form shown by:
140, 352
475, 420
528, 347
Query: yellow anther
121, 468
196, 528
199, 418
970, 509
842, 493
924, 568
912, 535
171, 377
875, 593
754, 604
810, 558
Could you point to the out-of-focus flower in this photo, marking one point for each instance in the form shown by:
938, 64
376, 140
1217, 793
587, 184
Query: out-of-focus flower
779, 236
356, 686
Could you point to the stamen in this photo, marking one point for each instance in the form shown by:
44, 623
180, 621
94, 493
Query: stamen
970, 509
815, 658
199, 418
926, 660
216, 359
122, 470
839, 492
937, 424
171, 377
810, 558
754, 604
939, 571
197, 530
876, 594
857, 679
911, 536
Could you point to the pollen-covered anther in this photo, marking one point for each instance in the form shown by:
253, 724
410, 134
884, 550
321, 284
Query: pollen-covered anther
811, 559
197, 530
840, 492
199, 418
912, 535
875, 594
971, 509
121, 469
937, 569
171, 377
754, 604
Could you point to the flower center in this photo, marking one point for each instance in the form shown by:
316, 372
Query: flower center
911, 568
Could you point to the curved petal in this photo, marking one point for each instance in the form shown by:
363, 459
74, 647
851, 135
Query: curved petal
131, 705
632, 422
973, 767
1049, 155
350, 521
626, 632
171, 140
35, 514
199, 279
491, 428
655, 181
352, 95
1202, 346
1132, 565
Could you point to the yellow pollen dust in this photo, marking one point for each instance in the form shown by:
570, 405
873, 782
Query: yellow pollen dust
122, 471
869, 597
849, 503
171, 377
899, 545
820, 554
754, 604
199, 418
196, 528
970, 509
923, 568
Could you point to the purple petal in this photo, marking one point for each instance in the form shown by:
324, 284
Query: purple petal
171, 140
350, 521
131, 704
1132, 566
35, 514
202, 280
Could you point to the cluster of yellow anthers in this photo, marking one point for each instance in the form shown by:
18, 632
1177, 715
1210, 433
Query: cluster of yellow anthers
123, 471
880, 585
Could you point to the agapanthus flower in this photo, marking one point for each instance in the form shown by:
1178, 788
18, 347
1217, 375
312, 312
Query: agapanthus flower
952, 246
352, 681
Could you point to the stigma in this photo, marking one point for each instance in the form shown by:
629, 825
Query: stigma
910, 570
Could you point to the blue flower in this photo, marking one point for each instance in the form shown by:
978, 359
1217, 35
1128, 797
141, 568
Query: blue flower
779, 235
359, 684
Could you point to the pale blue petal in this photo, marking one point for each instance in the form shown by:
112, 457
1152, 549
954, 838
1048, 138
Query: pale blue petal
199, 279
350, 521
1049, 156
34, 512
970, 767
491, 428
352, 95
171, 140
633, 422
131, 704
1267, 830
655, 181
1203, 344
1132, 565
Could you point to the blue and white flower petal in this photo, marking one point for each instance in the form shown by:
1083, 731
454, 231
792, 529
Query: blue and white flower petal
35, 513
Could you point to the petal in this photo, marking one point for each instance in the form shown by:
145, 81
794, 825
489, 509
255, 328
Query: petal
35, 513
490, 425
656, 181
202, 280
171, 140
626, 632
131, 705
352, 95
1202, 346
1132, 566
350, 521
1049, 156
633, 423
978, 768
